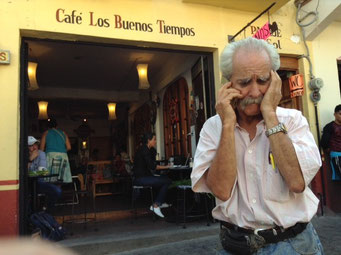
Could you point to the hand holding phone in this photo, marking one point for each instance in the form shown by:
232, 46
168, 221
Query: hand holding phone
226, 103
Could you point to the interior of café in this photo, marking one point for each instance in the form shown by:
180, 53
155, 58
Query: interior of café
105, 97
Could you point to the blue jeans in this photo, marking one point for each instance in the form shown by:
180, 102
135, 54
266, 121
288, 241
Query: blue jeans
306, 242
159, 182
53, 193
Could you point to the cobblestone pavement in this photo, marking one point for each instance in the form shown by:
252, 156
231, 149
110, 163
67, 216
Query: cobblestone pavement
328, 228
165, 238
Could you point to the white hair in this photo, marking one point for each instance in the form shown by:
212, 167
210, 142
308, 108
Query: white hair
249, 44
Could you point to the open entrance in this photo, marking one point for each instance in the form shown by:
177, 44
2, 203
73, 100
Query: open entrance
78, 80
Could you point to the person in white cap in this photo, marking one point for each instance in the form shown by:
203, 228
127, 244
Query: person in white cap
37, 160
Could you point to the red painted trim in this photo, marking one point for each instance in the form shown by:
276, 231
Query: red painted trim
9, 182
9, 225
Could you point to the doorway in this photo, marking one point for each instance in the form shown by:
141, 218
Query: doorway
78, 80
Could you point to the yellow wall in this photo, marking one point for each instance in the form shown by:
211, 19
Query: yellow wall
326, 49
37, 18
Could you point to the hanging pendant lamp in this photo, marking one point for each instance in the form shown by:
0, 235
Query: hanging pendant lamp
32, 78
112, 111
42, 105
142, 70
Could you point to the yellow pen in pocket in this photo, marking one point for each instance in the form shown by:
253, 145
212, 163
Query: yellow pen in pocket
272, 161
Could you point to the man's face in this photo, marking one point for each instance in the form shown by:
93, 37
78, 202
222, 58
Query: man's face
251, 76
337, 116
33, 147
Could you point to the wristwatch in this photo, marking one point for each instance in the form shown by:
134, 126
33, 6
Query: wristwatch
279, 128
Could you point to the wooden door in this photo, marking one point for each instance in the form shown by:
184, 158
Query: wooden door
199, 95
175, 119
289, 66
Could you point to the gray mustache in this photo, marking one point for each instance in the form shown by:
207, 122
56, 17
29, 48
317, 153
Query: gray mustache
249, 100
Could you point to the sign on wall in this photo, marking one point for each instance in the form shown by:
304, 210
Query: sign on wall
5, 57
117, 22
296, 84
269, 32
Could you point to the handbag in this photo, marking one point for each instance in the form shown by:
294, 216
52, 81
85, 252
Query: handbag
240, 243
49, 227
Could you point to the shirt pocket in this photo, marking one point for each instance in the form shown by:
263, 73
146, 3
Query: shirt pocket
275, 187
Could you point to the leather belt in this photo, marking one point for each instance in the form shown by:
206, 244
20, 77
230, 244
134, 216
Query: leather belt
272, 235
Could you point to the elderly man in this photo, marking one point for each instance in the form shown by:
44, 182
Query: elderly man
258, 159
37, 160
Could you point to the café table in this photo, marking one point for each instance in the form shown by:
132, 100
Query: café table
34, 179
180, 170
188, 205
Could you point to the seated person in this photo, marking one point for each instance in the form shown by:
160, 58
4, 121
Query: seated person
128, 163
37, 160
119, 166
144, 166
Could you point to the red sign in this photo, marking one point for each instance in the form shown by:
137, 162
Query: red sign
296, 85
263, 33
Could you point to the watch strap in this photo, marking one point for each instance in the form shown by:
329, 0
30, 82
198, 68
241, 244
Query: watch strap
276, 129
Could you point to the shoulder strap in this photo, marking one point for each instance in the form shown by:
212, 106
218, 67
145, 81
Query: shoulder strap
59, 133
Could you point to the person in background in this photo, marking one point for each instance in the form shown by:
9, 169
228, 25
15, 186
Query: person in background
128, 163
143, 169
37, 161
119, 166
331, 142
56, 143
258, 159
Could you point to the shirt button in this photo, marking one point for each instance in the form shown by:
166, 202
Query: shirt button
254, 201
250, 151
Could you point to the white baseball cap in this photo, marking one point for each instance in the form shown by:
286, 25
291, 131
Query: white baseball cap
31, 140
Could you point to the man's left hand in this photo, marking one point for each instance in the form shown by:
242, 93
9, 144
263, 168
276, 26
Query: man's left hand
273, 95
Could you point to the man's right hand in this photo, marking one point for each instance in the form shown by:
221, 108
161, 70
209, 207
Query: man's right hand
224, 105
34, 155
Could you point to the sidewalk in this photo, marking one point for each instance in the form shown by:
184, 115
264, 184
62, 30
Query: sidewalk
145, 237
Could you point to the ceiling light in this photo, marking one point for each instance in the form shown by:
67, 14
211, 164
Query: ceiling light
143, 76
42, 105
112, 111
31, 71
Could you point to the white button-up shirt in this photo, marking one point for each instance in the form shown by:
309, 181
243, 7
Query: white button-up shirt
260, 197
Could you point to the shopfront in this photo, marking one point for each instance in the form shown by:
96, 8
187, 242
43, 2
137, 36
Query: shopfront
181, 43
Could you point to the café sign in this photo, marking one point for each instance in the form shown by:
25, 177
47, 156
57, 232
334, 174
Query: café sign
118, 22
5, 57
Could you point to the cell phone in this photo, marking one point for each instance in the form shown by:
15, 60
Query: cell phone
234, 102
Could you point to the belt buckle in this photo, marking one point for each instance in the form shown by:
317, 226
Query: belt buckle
257, 230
